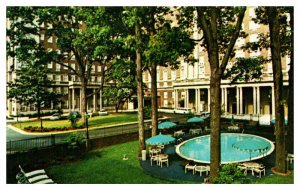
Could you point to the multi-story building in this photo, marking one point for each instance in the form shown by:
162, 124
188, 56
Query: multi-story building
189, 85
64, 80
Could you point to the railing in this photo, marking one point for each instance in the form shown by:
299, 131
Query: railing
51, 140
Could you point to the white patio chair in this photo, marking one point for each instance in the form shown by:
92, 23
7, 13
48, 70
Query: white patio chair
164, 160
259, 171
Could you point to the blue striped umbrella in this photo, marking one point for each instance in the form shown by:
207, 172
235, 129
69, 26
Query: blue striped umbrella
273, 121
166, 125
160, 140
195, 120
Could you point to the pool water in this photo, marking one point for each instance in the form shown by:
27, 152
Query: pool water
235, 147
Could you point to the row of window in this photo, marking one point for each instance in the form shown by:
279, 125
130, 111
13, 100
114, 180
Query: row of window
66, 78
58, 67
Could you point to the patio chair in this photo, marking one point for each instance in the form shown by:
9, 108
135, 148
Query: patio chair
163, 160
259, 171
290, 158
153, 159
190, 166
243, 168
32, 173
38, 178
201, 169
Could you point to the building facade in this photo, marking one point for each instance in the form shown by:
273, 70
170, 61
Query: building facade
189, 86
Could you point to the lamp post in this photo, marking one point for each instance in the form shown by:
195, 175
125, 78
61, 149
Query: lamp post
87, 129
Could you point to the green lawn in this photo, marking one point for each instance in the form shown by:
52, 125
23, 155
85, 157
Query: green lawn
106, 166
96, 121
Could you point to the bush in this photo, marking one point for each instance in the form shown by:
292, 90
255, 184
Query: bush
73, 117
230, 173
147, 112
75, 140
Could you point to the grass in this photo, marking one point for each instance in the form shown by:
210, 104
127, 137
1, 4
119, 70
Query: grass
97, 121
276, 179
105, 166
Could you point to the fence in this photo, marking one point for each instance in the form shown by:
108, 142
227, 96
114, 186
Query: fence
51, 140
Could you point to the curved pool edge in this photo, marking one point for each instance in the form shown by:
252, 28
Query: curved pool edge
208, 162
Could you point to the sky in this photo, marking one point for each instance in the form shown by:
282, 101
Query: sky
6, 3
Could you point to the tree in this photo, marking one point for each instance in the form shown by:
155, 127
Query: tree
32, 87
88, 40
280, 40
221, 27
23, 44
166, 45
274, 27
123, 74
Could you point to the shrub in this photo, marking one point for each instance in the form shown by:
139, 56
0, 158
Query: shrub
147, 112
73, 117
230, 173
75, 140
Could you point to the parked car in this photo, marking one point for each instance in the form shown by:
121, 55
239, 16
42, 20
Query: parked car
205, 115
55, 116
182, 110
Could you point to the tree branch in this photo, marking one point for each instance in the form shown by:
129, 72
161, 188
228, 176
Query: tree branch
233, 39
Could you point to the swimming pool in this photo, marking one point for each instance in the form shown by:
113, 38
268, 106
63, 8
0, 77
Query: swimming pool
235, 147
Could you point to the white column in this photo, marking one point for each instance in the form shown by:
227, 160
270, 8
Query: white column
273, 102
258, 100
73, 99
100, 96
241, 100
225, 91
51, 107
80, 99
175, 98
222, 98
187, 98
94, 101
196, 100
208, 99
9, 102
237, 100
254, 100
199, 100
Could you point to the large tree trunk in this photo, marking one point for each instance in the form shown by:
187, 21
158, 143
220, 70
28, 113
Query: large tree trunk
140, 91
280, 164
154, 114
83, 108
215, 138
290, 134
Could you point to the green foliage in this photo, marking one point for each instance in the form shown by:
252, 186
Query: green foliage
230, 173
147, 112
75, 140
245, 69
73, 117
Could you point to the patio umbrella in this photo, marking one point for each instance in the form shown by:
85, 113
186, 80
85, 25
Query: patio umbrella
273, 121
195, 120
160, 140
166, 125
251, 146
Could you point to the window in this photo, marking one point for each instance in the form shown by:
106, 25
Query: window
50, 40
50, 77
66, 89
93, 69
165, 77
42, 37
165, 95
50, 65
99, 68
58, 90
66, 78
57, 67
201, 69
99, 79
57, 77
73, 66
182, 72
